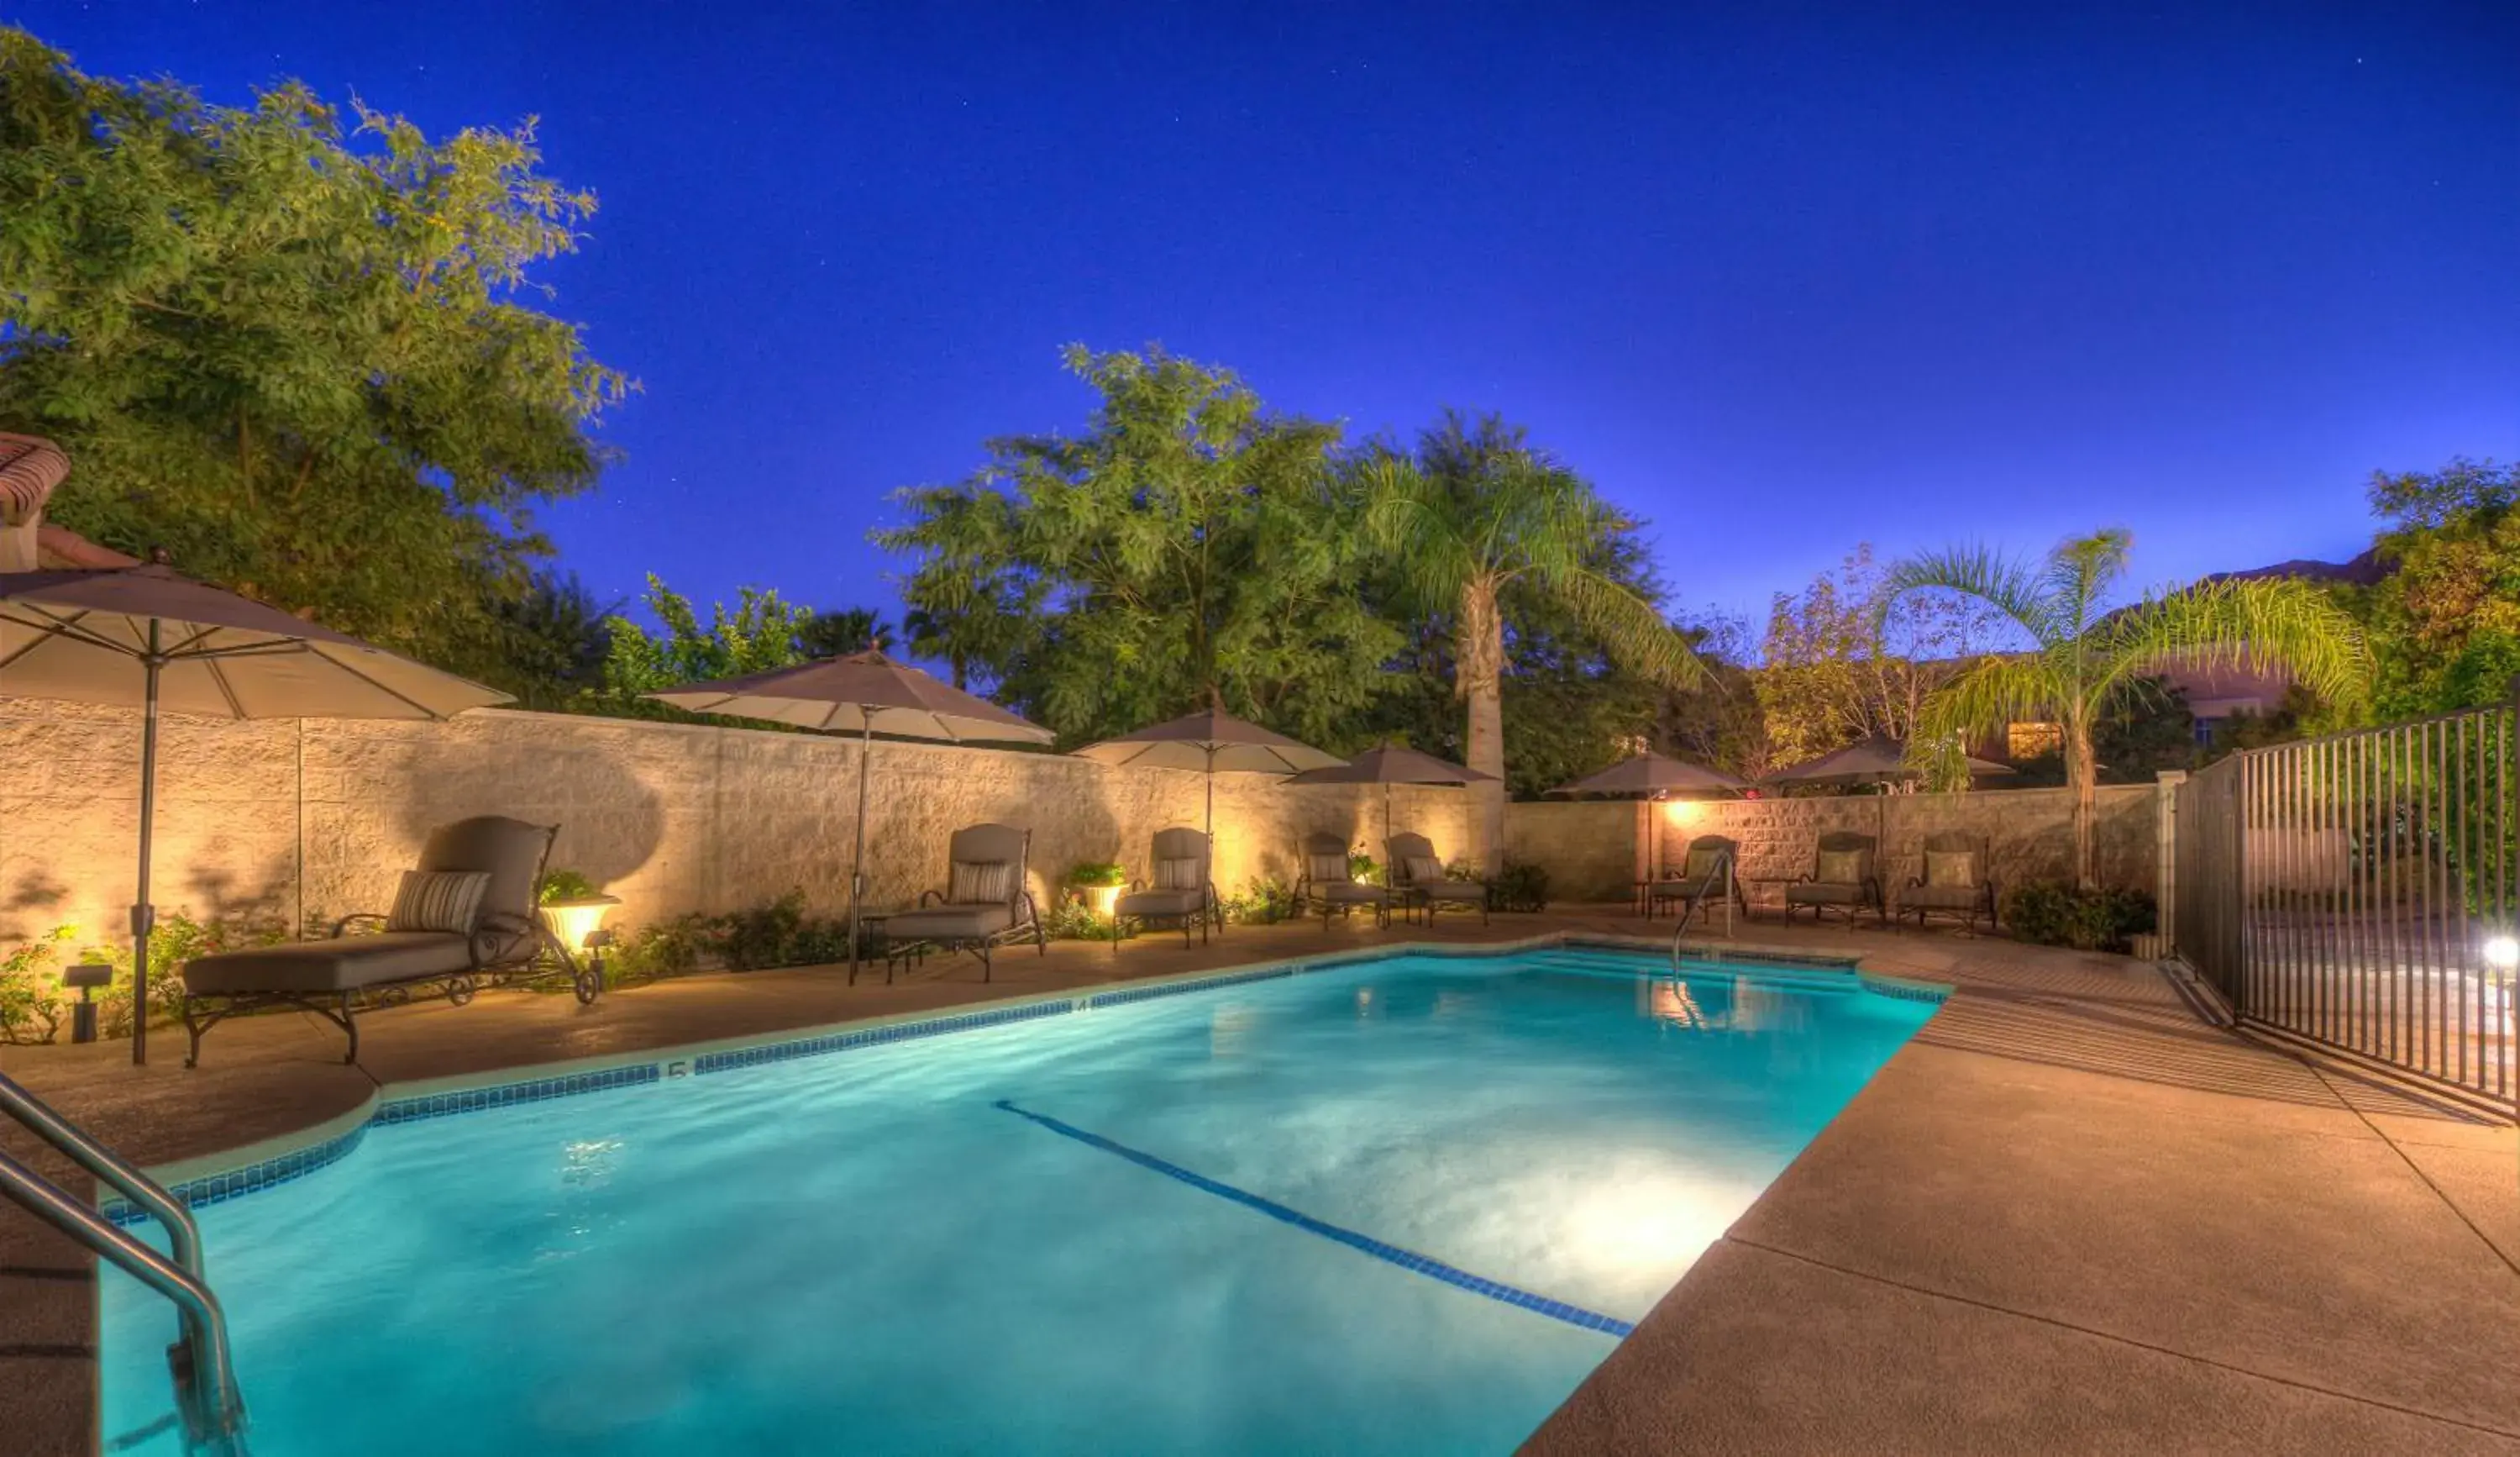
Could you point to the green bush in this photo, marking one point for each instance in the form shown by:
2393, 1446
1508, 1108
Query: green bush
2051, 913
1099, 873
1519, 887
565, 885
1362, 869
1072, 920
1265, 901
32, 1003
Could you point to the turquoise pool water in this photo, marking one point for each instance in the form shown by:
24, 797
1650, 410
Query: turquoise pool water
1401, 1205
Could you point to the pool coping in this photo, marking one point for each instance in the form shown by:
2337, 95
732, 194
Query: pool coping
204, 1179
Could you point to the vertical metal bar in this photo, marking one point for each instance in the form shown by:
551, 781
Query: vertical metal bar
2462, 871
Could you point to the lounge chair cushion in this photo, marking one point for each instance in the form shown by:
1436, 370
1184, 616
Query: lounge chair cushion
1160, 903
1956, 869
974, 882
447, 900
1822, 892
1348, 893
1839, 867
1326, 869
342, 964
1943, 898
1425, 869
1440, 889
948, 923
1177, 874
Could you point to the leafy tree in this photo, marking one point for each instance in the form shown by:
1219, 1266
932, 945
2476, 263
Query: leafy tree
842, 631
298, 354
761, 633
1188, 542
551, 642
2084, 651
2445, 622
1479, 512
1849, 660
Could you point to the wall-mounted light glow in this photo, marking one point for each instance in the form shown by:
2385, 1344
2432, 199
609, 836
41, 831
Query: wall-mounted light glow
2501, 953
1682, 813
575, 920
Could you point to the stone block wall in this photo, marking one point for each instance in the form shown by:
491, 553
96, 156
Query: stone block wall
2029, 833
1588, 846
320, 817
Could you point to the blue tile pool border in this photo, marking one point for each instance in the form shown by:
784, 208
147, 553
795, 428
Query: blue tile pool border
668, 1064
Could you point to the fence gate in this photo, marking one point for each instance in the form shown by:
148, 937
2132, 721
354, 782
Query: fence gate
2358, 891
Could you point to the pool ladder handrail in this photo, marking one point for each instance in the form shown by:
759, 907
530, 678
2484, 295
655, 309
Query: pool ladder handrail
1719, 881
205, 1391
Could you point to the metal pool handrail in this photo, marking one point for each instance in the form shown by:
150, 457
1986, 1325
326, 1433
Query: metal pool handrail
206, 1390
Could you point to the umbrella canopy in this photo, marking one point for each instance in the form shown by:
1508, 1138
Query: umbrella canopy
1210, 742
872, 694
1392, 764
863, 693
1872, 761
1650, 775
147, 638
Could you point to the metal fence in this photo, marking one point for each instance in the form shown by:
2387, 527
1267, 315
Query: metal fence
2359, 891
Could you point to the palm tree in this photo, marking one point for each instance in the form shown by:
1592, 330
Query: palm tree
2084, 651
1478, 511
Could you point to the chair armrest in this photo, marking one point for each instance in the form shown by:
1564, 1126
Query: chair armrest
341, 928
927, 898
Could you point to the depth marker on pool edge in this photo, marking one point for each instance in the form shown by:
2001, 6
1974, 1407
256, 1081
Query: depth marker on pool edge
1494, 1290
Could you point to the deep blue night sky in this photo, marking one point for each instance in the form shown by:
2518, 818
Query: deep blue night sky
1779, 284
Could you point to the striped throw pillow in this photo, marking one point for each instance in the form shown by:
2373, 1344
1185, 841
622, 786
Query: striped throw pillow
1426, 870
982, 883
438, 900
1326, 869
1177, 874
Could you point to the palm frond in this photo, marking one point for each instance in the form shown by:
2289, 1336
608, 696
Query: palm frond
1992, 694
1406, 518
2079, 574
2288, 626
2003, 582
1631, 627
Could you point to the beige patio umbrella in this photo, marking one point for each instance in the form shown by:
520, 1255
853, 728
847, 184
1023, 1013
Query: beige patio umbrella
872, 694
1650, 776
1873, 762
145, 637
1210, 742
1392, 764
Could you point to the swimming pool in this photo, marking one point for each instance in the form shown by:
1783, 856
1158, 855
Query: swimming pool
1397, 1206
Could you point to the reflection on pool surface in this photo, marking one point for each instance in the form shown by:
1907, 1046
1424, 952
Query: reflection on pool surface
1401, 1205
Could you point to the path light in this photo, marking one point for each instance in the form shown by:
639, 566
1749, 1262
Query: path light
2501, 954
87, 976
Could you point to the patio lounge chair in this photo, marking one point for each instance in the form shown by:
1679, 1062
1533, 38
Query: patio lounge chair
1708, 876
1954, 883
1183, 890
987, 900
1328, 884
1418, 878
463, 914
1842, 878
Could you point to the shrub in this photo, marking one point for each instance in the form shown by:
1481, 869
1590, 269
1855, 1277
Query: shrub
2051, 913
1362, 869
1519, 887
665, 948
1265, 901
1072, 920
565, 885
32, 1003
1098, 873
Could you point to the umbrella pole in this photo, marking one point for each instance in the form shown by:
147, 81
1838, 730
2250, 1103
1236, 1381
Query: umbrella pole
144, 916
857, 855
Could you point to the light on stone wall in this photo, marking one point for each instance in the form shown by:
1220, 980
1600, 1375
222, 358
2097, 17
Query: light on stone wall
1682, 813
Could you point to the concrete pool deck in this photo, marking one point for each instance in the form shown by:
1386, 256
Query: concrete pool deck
2070, 1216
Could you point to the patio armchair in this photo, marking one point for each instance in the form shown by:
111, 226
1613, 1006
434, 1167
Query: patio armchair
466, 913
1842, 878
1708, 876
987, 900
1417, 878
1184, 889
1329, 886
1955, 883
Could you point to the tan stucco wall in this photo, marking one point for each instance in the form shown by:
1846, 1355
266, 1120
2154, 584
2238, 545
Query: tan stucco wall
320, 818
1589, 847
2029, 833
